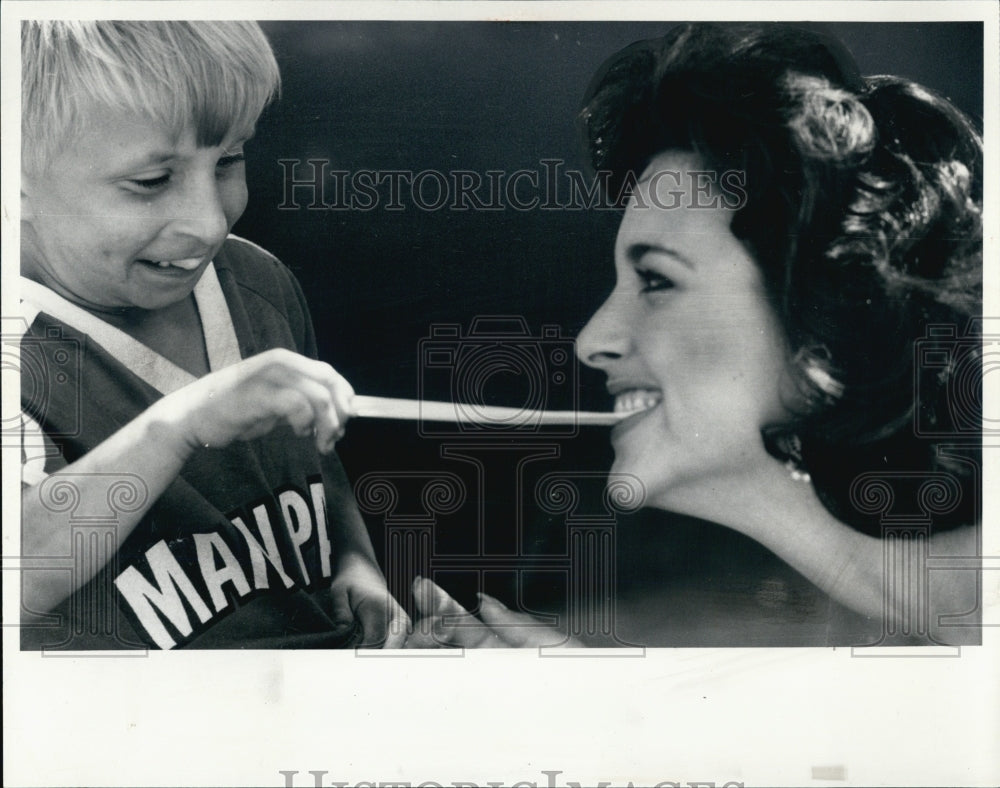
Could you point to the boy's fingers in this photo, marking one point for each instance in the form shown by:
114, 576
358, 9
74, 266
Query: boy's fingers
333, 399
343, 396
373, 615
399, 627
330, 394
383, 621
295, 408
326, 424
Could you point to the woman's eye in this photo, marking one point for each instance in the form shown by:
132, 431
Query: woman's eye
653, 282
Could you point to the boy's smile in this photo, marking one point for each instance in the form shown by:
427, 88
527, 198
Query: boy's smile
128, 215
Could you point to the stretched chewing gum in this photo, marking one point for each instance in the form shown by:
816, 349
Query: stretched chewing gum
462, 413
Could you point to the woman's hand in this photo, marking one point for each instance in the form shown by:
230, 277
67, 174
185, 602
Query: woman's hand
249, 399
446, 623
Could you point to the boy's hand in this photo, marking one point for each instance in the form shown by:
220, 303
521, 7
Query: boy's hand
249, 399
359, 593
447, 624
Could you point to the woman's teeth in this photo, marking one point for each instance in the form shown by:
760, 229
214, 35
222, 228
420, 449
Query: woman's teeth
637, 400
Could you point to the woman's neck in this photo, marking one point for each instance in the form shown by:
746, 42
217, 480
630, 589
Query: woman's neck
787, 517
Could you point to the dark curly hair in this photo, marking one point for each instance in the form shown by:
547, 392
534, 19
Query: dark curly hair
863, 211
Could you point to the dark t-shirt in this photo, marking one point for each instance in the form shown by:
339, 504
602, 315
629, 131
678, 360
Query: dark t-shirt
238, 550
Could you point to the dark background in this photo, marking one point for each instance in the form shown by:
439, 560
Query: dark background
491, 96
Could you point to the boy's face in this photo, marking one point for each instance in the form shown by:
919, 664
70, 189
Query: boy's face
126, 216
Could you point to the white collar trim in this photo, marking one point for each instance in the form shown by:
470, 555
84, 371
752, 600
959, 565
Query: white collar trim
162, 374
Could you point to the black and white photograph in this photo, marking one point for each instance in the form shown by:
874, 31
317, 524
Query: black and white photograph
500, 394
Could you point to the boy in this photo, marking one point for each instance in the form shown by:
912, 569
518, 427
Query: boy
182, 409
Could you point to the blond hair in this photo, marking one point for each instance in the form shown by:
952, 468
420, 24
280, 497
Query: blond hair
216, 76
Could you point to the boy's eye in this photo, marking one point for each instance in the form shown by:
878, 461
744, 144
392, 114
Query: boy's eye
230, 159
653, 282
151, 183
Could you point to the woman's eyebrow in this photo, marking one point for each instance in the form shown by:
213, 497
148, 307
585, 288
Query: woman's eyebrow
636, 252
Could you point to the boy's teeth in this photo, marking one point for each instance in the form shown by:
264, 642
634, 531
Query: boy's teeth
188, 264
636, 400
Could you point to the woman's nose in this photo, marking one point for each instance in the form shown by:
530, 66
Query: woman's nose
605, 338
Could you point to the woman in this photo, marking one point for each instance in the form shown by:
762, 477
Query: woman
793, 236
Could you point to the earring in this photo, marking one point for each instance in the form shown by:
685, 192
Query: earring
794, 466
797, 474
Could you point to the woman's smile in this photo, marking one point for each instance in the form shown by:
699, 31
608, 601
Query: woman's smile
637, 400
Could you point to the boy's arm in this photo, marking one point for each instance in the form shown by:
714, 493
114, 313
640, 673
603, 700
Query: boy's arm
358, 590
149, 447
240, 402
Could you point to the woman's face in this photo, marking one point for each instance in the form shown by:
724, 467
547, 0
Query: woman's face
687, 338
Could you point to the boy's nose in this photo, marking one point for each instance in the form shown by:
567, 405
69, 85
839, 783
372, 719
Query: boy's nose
605, 337
202, 215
